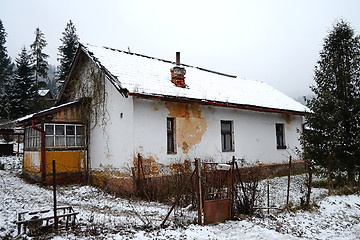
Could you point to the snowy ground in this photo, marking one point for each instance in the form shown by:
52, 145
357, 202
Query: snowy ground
103, 216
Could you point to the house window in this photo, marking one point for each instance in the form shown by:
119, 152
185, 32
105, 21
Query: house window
170, 135
63, 135
227, 136
32, 138
280, 136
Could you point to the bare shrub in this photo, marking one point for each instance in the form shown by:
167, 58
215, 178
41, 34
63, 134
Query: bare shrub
246, 189
166, 188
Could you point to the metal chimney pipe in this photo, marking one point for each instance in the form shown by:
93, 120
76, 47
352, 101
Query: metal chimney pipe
178, 58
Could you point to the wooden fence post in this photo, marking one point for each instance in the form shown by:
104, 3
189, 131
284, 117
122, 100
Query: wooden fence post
268, 196
54, 193
232, 203
199, 191
288, 187
310, 167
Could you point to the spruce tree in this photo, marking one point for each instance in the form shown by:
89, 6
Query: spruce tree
5, 70
20, 91
333, 138
40, 65
67, 50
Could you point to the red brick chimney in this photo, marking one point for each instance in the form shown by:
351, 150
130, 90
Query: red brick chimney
178, 73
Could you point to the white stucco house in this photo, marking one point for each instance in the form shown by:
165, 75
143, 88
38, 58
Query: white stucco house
169, 113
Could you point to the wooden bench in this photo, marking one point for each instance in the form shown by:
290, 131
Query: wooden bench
35, 219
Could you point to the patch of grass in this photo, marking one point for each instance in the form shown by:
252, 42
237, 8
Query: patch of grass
346, 190
320, 184
294, 208
339, 186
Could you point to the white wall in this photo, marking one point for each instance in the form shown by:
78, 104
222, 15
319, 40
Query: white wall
111, 140
254, 133
133, 125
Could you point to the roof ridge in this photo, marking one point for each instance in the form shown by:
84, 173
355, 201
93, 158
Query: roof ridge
166, 61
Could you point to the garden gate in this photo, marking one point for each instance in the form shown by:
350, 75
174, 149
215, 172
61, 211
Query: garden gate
217, 192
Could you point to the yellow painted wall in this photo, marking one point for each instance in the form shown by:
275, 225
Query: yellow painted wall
32, 161
66, 161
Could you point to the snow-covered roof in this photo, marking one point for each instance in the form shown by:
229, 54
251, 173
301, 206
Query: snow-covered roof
151, 76
40, 113
43, 92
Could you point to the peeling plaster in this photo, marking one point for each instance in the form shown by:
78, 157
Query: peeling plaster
156, 108
149, 165
190, 126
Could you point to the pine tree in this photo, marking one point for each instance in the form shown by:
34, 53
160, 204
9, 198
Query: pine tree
40, 65
67, 50
333, 140
21, 90
51, 81
5, 70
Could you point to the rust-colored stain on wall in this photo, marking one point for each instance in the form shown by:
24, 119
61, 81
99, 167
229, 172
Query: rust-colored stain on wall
148, 165
180, 167
190, 126
288, 119
156, 108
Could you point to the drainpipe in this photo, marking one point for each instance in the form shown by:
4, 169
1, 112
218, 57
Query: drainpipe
310, 167
303, 135
42, 163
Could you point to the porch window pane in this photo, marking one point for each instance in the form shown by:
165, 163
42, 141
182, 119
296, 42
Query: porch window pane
70, 130
70, 141
37, 141
49, 141
59, 130
49, 129
59, 141
79, 141
78, 130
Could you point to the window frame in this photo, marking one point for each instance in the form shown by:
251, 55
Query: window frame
170, 136
229, 133
32, 140
280, 135
61, 138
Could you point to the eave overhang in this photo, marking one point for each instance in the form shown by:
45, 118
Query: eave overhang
43, 114
216, 103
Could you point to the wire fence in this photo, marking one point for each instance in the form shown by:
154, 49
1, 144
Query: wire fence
64, 168
270, 192
270, 187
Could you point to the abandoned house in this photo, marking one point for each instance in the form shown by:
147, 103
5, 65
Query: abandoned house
116, 107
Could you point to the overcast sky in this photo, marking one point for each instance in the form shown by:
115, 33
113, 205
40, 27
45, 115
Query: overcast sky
277, 42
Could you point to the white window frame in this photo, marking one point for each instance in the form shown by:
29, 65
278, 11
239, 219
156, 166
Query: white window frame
32, 138
280, 136
227, 146
66, 139
170, 141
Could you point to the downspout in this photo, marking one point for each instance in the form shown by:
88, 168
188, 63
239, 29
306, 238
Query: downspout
303, 135
309, 165
42, 163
